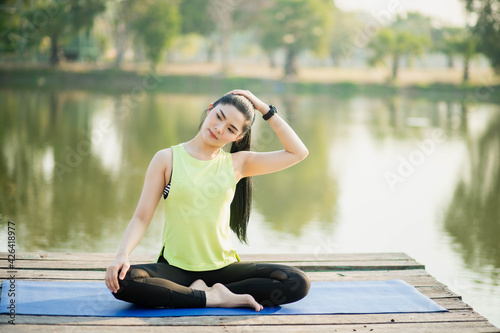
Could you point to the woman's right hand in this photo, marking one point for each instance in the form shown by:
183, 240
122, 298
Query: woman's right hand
121, 264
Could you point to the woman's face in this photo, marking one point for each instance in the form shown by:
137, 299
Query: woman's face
224, 124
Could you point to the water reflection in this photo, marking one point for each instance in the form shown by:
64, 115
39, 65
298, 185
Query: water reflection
473, 216
75, 161
291, 199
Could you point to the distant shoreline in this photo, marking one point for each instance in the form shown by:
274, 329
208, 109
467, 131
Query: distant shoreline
192, 79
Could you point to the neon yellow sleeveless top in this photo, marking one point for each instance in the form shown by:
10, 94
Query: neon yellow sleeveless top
196, 234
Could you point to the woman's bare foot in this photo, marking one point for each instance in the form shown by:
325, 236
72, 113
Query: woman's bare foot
199, 285
220, 296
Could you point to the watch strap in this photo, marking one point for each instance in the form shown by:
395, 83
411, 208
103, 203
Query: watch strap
270, 113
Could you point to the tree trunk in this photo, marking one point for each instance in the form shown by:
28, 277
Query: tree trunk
466, 70
153, 66
291, 62
226, 47
210, 50
54, 50
120, 44
272, 61
463, 116
222, 12
395, 66
119, 57
450, 62
335, 60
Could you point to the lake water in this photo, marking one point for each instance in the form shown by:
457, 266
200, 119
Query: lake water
384, 174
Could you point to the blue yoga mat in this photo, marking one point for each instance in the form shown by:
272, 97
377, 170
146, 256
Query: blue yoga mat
94, 299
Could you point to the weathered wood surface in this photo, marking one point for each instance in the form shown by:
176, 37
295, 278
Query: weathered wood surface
322, 267
304, 265
311, 262
251, 257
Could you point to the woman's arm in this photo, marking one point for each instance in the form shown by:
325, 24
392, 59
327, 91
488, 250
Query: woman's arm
256, 163
151, 194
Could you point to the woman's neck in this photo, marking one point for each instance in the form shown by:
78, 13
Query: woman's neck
198, 148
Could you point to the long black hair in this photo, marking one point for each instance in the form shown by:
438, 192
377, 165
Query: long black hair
242, 200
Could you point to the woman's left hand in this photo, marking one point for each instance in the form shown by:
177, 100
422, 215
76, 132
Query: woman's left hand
257, 103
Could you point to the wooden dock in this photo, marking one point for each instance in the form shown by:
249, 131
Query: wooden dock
327, 267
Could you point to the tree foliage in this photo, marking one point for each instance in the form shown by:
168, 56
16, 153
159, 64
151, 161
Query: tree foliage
296, 25
195, 18
487, 28
156, 24
392, 44
402, 39
415, 23
466, 46
9, 20
343, 31
52, 19
444, 42
455, 42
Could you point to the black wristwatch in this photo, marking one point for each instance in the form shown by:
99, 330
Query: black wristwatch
272, 111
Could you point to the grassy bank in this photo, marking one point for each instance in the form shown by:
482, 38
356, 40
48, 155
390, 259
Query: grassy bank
192, 80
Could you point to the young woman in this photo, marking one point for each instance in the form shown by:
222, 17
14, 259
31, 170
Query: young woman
207, 194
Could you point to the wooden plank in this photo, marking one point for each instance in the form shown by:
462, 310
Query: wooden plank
463, 316
438, 292
245, 257
452, 327
307, 266
417, 280
25, 274
314, 276
452, 303
458, 316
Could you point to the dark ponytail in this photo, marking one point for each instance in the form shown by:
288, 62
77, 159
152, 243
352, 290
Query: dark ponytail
242, 201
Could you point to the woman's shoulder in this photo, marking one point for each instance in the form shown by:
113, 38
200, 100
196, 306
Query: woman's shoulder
163, 157
166, 152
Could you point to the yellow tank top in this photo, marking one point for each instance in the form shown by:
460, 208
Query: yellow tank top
196, 234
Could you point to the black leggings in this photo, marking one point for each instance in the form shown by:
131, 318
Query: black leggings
163, 285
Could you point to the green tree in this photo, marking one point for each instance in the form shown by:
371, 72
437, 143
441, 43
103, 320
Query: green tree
456, 42
392, 44
466, 46
156, 24
296, 25
56, 20
342, 34
196, 19
415, 23
444, 41
121, 15
487, 28
9, 20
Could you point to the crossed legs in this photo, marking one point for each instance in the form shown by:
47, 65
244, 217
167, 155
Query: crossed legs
239, 284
